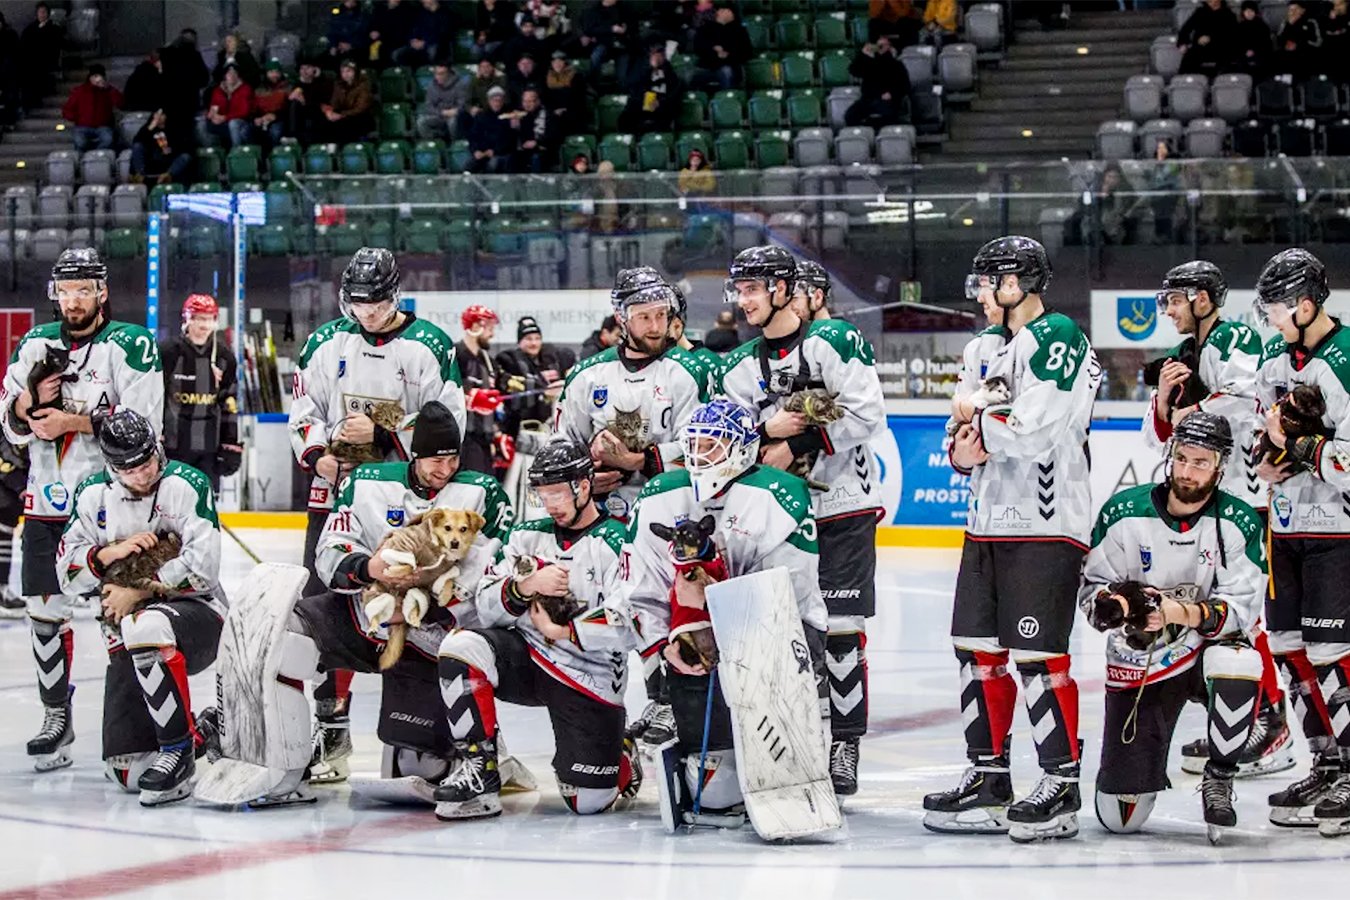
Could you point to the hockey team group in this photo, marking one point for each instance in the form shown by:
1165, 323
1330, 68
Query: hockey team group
716, 517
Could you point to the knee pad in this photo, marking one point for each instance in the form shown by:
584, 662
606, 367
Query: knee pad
472, 649
1282, 642
846, 625
1124, 813
1231, 661
721, 788
125, 769
400, 762
299, 657
148, 628
48, 607
1326, 654
586, 801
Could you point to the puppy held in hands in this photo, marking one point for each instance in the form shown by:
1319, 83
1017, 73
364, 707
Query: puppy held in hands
694, 554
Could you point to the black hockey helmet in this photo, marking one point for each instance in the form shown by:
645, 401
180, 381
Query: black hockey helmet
811, 274
435, 433
1015, 255
1288, 277
1196, 275
767, 264
77, 264
561, 461
127, 440
1206, 430
630, 281
370, 277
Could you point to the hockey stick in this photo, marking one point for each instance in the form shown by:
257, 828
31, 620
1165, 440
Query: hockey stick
242, 546
703, 751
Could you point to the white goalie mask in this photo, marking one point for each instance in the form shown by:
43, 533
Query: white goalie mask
720, 442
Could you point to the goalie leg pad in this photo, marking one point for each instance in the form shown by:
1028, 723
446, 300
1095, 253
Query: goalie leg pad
407, 777
1233, 677
1305, 695
988, 699
846, 668
1051, 697
721, 787
1124, 813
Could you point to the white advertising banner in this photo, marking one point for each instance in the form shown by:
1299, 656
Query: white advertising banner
1130, 318
565, 317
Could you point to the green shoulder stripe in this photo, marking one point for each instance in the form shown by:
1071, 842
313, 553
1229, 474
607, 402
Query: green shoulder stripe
139, 346
1274, 349
324, 333
99, 477
671, 480
1130, 503
790, 491
610, 354
542, 525
1061, 352
696, 367
995, 330
1335, 351
496, 505
845, 338
1249, 523
434, 339
49, 331
206, 500
614, 533
1231, 337
734, 359
396, 472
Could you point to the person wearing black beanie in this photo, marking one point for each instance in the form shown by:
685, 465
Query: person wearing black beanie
435, 433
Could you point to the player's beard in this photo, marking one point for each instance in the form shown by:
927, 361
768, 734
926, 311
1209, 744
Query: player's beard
652, 346
1194, 493
75, 326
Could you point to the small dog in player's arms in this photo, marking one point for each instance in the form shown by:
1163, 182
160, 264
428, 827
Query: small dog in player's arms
697, 562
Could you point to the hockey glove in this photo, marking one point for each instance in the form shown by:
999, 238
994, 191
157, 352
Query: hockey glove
484, 401
228, 458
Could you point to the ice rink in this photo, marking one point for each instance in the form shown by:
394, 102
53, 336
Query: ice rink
72, 834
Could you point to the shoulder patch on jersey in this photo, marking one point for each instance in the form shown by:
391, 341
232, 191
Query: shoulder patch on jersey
1335, 352
609, 354
790, 491
1274, 348
1229, 336
139, 345
99, 477
46, 332
845, 338
1062, 349
434, 339
395, 472
206, 506
1133, 502
734, 359
696, 367
324, 333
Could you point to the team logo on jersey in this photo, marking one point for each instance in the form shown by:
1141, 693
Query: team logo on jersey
342, 366
102, 518
1146, 557
616, 506
394, 516
56, 495
599, 397
1028, 626
1284, 509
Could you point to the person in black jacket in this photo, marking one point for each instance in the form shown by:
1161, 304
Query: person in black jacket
885, 86
609, 30
1207, 39
604, 337
145, 90
1253, 43
537, 130
653, 97
1299, 43
160, 151
722, 46
492, 140
530, 367
391, 24
201, 424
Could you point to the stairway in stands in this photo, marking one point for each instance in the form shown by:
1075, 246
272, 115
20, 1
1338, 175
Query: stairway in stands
1046, 86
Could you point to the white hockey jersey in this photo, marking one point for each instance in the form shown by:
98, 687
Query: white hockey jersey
657, 397
830, 354
1315, 502
594, 658
764, 519
379, 497
1035, 483
344, 371
106, 512
976, 357
1218, 554
116, 366
1228, 363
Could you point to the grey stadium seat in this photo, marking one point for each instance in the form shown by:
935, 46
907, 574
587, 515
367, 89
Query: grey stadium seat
124, 167
838, 102
787, 228
131, 123
854, 145
747, 229
863, 186
811, 146
778, 182
1205, 138
48, 244
127, 205
1156, 130
1182, 11
284, 47
54, 206
984, 27
61, 166
85, 237
22, 241
832, 226
1231, 97
895, 145
957, 70
91, 206
1164, 56
98, 167
1143, 97
919, 61
821, 181
1115, 140
1186, 96
17, 207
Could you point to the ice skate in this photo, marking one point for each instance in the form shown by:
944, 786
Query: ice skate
844, 767
473, 787
1050, 811
1269, 748
170, 777
656, 726
331, 763
11, 605
51, 748
1294, 806
206, 739
1216, 794
979, 802
1333, 812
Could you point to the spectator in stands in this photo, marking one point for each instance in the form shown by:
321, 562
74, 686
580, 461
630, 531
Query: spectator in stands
607, 210
494, 24
1298, 43
234, 51
447, 94
306, 103
90, 106
550, 20
939, 22
350, 113
11, 94
185, 77
40, 51
1206, 40
1166, 180
1113, 207
525, 42
349, 31
161, 153
145, 88
531, 366
537, 132
722, 48
896, 19
484, 80
269, 103
723, 338
430, 37
564, 93
492, 140
229, 117
697, 178
608, 31
1252, 42
885, 86
1336, 41
654, 95
524, 76
600, 340
391, 25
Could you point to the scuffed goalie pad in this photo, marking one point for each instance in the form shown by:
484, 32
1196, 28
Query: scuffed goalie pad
766, 677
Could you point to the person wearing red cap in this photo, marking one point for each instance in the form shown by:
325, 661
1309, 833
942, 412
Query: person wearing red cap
201, 426
480, 394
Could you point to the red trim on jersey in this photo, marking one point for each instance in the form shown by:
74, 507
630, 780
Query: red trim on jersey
980, 539
951, 462
1304, 535
653, 649
1115, 683
875, 511
1161, 427
291, 683
562, 676
825, 436
46, 518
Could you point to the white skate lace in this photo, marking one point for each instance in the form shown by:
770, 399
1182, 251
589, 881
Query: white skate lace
53, 721
1340, 791
844, 758
166, 761
1046, 788
468, 773
1216, 791
1258, 735
662, 717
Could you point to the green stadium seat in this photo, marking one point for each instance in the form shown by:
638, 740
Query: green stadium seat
607, 110
422, 236
380, 233
684, 65
496, 189
459, 156
804, 108
429, 190
574, 145
688, 141
122, 243
421, 78
396, 85
758, 26
799, 69
355, 159
210, 163
155, 202
271, 240
244, 163
834, 69
655, 151
732, 150
204, 241
693, 111
285, 158
320, 160
205, 187
457, 236
766, 109
428, 157
500, 235
831, 31
790, 32
395, 121
704, 232
352, 192
281, 204
773, 148
539, 189
618, 149
763, 72
727, 109
391, 157
345, 239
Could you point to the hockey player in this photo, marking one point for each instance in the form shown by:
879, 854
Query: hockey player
374, 354
827, 356
155, 639
1030, 511
1225, 355
763, 519
1198, 553
99, 365
1310, 553
811, 297
971, 394
576, 669
201, 426
479, 374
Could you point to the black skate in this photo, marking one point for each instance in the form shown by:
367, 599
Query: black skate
1333, 812
472, 789
656, 726
844, 767
978, 804
331, 762
1216, 794
11, 606
206, 739
51, 748
1269, 748
1050, 811
170, 776
1294, 806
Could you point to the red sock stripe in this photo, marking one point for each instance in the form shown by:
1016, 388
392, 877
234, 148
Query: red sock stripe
481, 691
1271, 691
68, 644
342, 680
625, 772
1000, 695
1066, 695
1307, 676
176, 663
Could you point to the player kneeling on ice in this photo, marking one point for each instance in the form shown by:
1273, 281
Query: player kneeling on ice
167, 626
555, 636
1176, 577
752, 733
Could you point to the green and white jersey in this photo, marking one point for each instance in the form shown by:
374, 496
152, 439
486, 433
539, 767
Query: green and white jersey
594, 657
379, 497
976, 356
106, 512
1228, 363
764, 519
344, 371
116, 366
1035, 482
653, 397
1315, 502
831, 354
1218, 554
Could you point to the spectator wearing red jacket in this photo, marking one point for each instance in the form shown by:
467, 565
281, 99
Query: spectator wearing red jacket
90, 106
229, 116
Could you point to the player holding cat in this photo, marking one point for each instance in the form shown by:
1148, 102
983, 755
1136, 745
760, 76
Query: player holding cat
96, 366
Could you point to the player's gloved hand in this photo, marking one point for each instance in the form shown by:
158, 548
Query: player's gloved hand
229, 457
504, 446
484, 401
